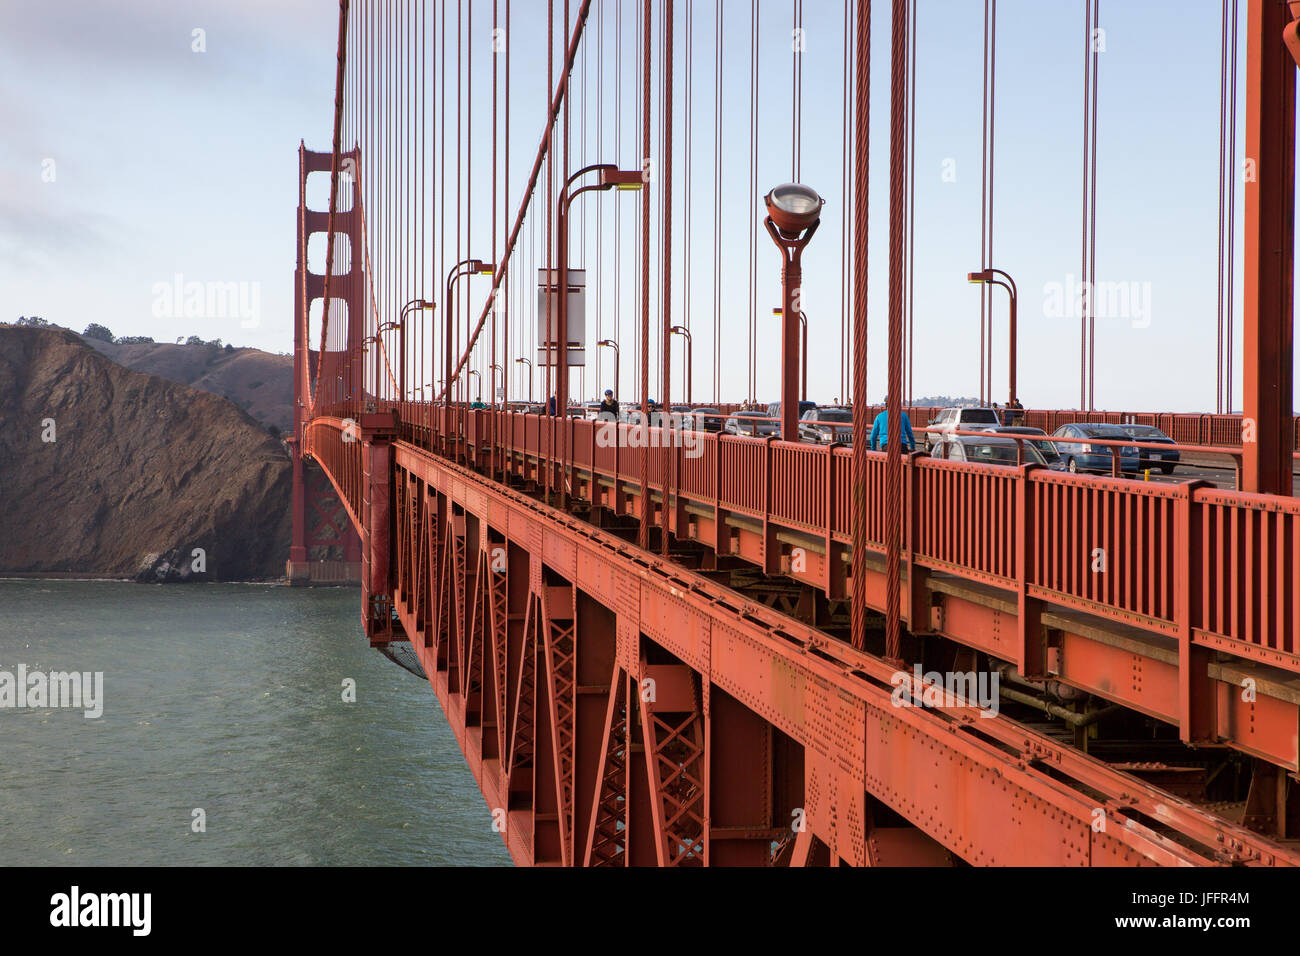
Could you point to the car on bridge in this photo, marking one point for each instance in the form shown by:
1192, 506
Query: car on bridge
826, 425
1150, 457
706, 419
993, 450
1038, 438
1081, 456
950, 420
774, 412
754, 424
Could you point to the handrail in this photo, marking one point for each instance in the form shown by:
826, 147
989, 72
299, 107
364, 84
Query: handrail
1132, 551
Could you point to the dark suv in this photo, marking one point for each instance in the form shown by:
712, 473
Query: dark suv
826, 425
774, 410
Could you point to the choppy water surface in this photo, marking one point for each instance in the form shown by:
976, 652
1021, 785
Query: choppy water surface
226, 698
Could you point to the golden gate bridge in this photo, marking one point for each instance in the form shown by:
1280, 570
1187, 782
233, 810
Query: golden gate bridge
717, 651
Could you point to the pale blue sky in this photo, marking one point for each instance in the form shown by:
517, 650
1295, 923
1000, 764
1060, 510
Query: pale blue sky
169, 161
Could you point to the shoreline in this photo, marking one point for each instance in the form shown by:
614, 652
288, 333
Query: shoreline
91, 576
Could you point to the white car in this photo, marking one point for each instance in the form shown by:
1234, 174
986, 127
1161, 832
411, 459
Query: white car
959, 419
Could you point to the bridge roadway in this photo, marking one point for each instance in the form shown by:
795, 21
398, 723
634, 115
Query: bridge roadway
1211, 471
619, 707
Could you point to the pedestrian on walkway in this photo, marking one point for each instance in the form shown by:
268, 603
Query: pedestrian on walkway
880, 431
609, 407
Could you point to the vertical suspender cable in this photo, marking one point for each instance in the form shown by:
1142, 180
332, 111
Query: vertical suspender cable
658, 306
469, 178
717, 204
403, 365
796, 86
492, 365
561, 353
424, 155
687, 207
897, 211
1092, 220
442, 189
618, 214
861, 182
600, 216
643, 529
911, 204
842, 395
637, 44
508, 361
548, 343
984, 204
986, 289
1231, 238
753, 191
670, 463
391, 180
453, 312
1085, 302
1223, 147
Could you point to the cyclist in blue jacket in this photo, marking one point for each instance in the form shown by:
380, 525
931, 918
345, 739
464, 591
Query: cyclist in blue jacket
880, 431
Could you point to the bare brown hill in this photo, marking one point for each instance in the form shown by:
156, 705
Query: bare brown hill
256, 381
140, 472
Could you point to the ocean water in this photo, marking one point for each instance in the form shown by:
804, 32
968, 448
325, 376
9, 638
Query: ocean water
226, 699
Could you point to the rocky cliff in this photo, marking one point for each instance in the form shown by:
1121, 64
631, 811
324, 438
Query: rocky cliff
105, 470
256, 381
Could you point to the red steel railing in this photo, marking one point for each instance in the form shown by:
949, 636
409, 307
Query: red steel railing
1222, 565
335, 443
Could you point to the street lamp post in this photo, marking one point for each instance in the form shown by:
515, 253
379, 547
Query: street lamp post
475, 371
990, 276
365, 348
422, 304
611, 344
524, 361
793, 215
690, 365
803, 351
380, 329
466, 267
494, 368
611, 177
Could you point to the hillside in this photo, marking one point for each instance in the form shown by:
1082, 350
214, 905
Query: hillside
141, 470
256, 381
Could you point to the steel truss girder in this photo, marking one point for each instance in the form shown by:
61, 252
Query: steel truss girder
606, 843
560, 642
988, 789
673, 729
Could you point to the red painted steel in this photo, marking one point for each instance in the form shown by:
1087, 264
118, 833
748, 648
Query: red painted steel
619, 707
552, 754
1268, 307
1132, 553
967, 521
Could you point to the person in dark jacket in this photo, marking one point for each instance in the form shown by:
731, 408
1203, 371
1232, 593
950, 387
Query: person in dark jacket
609, 406
550, 405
